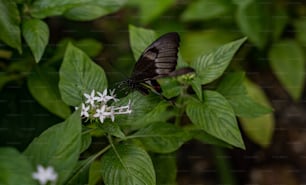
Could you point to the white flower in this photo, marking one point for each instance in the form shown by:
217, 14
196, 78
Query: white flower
99, 107
85, 110
43, 175
91, 98
102, 113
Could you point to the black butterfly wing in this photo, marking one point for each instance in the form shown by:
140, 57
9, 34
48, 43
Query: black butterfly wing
157, 60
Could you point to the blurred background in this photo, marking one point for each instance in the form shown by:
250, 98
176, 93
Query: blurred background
273, 59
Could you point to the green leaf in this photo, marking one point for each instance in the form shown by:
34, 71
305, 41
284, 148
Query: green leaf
9, 24
162, 137
216, 117
260, 130
42, 84
201, 135
145, 110
127, 165
253, 19
165, 168
288, 63
59, 146
79, 75
86, 141
112, 129
212, 65
232, 88
205, 10
15, 168
170, 87
140, 39
150, 10
36, 35
94, 173
197, 43
76, 9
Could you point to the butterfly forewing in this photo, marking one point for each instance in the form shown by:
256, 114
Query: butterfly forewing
157, 60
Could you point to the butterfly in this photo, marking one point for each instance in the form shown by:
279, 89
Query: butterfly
158, 60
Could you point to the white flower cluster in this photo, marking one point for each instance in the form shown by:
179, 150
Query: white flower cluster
44, 175
96, 106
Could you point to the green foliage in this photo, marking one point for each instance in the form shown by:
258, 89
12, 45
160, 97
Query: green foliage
127, 164
259, 129
288, 63
42, 84
15, 168
216, 117
139, 148
36, 34
79, 75
58, 146
9, 24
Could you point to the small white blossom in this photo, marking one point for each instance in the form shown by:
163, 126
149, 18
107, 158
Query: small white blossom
43, 175
85, 110
97, 107
91, 98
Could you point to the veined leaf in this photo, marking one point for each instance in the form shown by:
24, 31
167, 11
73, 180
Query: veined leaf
127, 165
165, 168
216, 117
232, 88
162, 137
212, 65
79, 75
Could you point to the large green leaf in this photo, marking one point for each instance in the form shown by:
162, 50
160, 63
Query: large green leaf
288, 63
162, 137
79, 75
212, 65
260, 129
253, 19
59, 146
232, 88
140, 39
206, 9
75, 9
36, 34
127, 165
9, 24
15, 168
216, 117
42, 84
